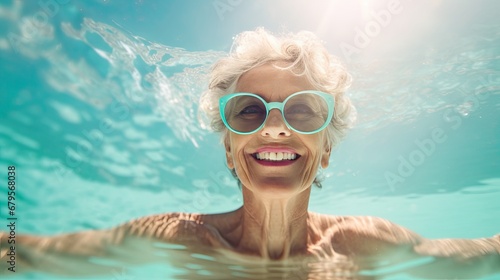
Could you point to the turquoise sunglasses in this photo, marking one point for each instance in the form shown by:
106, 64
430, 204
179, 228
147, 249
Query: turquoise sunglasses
305, 112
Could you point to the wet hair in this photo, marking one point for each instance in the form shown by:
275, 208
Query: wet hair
304, 54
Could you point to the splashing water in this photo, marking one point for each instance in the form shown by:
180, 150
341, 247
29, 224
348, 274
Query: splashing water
125, 69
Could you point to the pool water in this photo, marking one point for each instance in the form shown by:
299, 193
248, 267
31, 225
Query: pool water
99, 117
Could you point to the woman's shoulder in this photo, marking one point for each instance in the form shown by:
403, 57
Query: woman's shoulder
365, 233
176, 227
172, 227
360, 224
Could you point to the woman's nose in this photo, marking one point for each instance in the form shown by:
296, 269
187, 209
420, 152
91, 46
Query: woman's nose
275, 125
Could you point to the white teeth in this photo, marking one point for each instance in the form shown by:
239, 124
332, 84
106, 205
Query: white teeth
276, 156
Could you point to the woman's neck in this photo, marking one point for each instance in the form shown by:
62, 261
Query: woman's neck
272, 228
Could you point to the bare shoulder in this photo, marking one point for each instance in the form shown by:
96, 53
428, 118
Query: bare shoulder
183, 228
366, 235
375, 227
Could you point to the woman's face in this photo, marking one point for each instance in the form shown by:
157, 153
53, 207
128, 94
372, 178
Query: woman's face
247, 153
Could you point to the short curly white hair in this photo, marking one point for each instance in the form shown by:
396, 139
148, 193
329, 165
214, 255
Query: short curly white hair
305, 54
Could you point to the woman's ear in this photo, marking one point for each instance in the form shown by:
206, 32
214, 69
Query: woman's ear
229, 156
325, 158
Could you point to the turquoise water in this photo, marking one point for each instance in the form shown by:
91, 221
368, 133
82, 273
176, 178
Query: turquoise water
99, 112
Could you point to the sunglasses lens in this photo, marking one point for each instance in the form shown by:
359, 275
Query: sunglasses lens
245, 113
306, 112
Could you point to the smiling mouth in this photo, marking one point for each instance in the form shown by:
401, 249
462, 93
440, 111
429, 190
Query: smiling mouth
278, 156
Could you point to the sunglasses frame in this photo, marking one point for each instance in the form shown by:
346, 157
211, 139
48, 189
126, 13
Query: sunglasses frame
330, 101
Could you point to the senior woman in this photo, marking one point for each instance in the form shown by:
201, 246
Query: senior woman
280, 106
